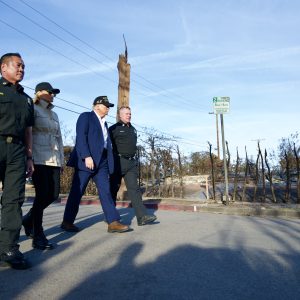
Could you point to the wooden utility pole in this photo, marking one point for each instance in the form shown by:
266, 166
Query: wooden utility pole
123, 97
124, 80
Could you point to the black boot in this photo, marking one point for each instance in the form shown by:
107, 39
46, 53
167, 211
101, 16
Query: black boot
40, 241
27, 222
14, 259
147, 219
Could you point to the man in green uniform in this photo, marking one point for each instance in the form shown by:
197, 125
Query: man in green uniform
16, 120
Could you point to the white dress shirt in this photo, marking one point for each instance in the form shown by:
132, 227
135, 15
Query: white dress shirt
104, 129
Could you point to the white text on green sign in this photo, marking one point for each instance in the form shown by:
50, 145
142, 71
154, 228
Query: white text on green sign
221, 105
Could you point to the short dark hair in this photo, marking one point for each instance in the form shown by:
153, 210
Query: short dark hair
4, 58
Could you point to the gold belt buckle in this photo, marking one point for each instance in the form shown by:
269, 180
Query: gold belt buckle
9, 139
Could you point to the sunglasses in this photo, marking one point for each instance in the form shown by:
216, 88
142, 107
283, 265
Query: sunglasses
51, 93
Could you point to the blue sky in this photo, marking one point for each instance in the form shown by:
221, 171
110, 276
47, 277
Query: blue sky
182, 54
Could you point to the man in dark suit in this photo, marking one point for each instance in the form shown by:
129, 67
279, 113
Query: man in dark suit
92, 158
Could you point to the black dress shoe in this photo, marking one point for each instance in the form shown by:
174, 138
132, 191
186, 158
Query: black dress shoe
40, 242
147, 219
14, 259
70, 227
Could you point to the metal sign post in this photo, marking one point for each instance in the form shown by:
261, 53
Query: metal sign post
221, 106
224, 160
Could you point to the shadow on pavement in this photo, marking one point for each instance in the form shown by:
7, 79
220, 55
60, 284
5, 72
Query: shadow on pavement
189, 272
185, 271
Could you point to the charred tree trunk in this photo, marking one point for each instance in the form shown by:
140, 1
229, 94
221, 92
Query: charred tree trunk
123, 94
124, 80
256, 177
228, 156
288, 181
246, 176
298, 173
236, 174
270, 175
152, 161
147, 178
172, 186
180, 172
262, 175
212, 172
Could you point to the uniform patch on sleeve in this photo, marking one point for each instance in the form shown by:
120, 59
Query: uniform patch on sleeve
1, 94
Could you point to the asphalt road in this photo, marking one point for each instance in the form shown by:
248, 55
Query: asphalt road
186, 255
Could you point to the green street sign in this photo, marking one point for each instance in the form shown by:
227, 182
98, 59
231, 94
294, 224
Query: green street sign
221, 105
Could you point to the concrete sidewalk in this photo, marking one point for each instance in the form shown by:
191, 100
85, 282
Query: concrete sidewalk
185, 255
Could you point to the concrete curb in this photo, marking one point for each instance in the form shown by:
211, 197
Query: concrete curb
260, 211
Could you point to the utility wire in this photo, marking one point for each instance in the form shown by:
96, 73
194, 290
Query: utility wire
99, 52
74, 47
67, 101
63, 40
175, 139
76, 62
76, 112
65, 30
144, 129
57, 52
55, 35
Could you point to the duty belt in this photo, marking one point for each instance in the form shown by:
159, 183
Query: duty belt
127, 157
11, 139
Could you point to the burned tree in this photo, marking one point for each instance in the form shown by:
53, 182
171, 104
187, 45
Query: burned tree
246, 175
180, 171
236, 174
212, 171
166, 166
228, 156
263, 174
298, 173
256, 173
124, 79
288, 178
270, 175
